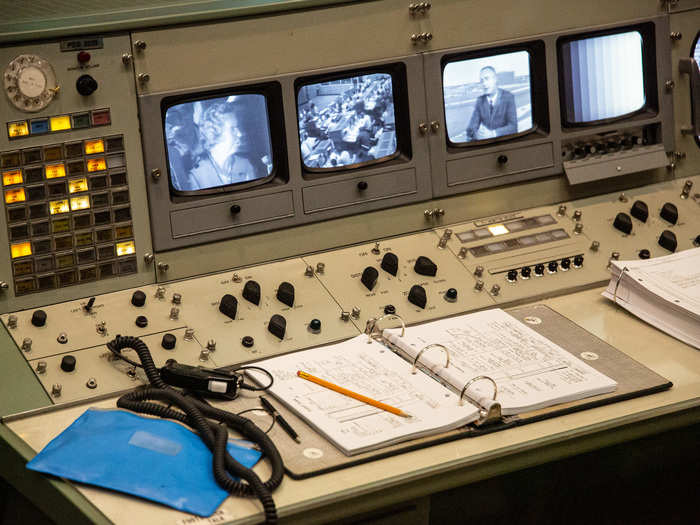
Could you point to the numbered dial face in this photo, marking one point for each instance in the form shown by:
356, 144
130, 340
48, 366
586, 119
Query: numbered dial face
30, 82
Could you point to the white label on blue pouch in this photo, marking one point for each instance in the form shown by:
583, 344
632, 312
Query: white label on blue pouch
155, 443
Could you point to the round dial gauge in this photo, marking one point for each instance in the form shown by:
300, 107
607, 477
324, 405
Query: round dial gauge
30, 82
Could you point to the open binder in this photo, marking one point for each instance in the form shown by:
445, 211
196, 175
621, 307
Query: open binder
316, 454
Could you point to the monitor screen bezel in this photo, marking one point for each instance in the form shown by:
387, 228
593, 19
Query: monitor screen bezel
651, 102
272, 91
539, 99
402, 117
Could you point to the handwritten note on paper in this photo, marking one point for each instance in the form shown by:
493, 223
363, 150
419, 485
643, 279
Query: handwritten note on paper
531, 372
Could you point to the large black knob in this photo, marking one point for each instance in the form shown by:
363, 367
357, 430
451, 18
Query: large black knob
669, 212
425, 266
623, 222
228, 305
640, 211
390, 263
251, 292
696, 242
369, 277
39, 318
277, 326
138, 298
668, 240
68, 363
417, 296
644, 253
168, 341
86, 85
285, 293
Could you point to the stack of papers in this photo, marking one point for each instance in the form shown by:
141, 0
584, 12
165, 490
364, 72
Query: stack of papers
664, 292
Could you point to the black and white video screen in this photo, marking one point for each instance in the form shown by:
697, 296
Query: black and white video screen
603, 77
487, 97
347, 121
218, 142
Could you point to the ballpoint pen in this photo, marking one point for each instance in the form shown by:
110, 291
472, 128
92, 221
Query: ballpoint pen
279, 419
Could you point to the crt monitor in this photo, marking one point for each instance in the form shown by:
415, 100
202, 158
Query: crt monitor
606, 77
218, 143
488, 97
348, 121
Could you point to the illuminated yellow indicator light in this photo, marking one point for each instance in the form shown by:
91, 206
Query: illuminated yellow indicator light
61, 206
125, 248
98, 164
21, 249
94, 146
54, 171
498, 229
12, 177
60, 123
80, 203
18, 129
77, 185
16, 195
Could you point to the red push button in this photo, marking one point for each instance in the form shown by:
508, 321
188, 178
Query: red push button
83, 57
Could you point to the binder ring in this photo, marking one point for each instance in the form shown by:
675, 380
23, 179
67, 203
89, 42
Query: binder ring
438, 345
617, 283
474, 380
372, 324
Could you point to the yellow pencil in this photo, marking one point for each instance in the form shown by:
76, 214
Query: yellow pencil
354, 395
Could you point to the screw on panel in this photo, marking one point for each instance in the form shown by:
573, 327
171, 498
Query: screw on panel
148, 257
211, 345
355, 312
155, 173
62, 338
4, 285
204, 355
189, 334
479, 271
160, 292
12, 321
442, 243
423, 128
163, 266
320, 267
56, 390
91, 383
140, 45
578, 228
669, 85
101, 328
495, 290
462, 253
594, 246
479, 285
577, 215
309, 271
127, 58
177, 298
174, 314
144, 77
562, 210
376, 250
676, 36
27, 344
41, 367
236, 278
345, 316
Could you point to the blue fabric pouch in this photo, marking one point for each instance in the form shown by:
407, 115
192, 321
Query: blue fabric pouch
154, 459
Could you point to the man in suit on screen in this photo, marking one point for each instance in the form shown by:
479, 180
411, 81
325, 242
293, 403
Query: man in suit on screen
494, 112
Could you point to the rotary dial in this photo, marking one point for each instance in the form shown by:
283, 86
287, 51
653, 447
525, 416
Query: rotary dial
30, 83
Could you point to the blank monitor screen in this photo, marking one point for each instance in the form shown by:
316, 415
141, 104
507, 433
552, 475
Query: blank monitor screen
347, 121
218, 142
603, 77
487, 97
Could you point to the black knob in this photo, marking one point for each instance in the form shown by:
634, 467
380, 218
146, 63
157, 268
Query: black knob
425, 266
696, 242
68, 363
142, 321
389, 309
168, 341
86, 85
451, 295
390, 263
512, 276
369, 277
138, 298
565, 263
623, 222
251, 292
578, 261
362, 185
552, 266
315, 325
285, 293
247, 341
640, 211
502, 159
88, 306
579, 152
644, 254
277, 326
39, 318
417, 296
669, 212
525, 272
235, 209
539, 269
228, 305
668, 240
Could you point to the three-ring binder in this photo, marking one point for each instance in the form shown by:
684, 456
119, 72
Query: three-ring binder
490, 412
